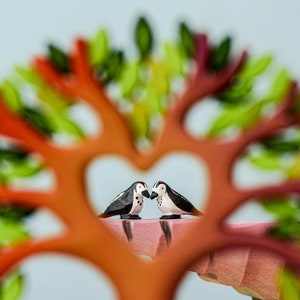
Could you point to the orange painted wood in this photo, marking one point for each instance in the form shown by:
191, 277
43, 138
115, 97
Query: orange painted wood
91, 239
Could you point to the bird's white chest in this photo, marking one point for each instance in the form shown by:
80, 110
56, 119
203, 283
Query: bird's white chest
137, 204
167, 206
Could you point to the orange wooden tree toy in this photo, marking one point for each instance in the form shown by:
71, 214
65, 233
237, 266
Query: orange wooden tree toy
90, 238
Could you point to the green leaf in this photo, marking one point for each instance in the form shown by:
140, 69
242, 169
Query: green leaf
12, 154
153, 101
139, 120
30, 76
279, 86
238, 92
293, 171
224, 121
62, 124
285, 212
219, 54
173, 59
53, 100
256, 67
112, 66
239, 116
59, 58
281, 145
281, 207
12, 233
296, 105
24, 168
241, 88
14, 213
11, 95
37, 119
290, 287
15, 163
186, 39
129, 78
266, 160
143, 38
287, 229
12, 287
99, 47
250, 115
159, 82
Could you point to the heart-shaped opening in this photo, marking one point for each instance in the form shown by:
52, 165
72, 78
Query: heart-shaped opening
108, 176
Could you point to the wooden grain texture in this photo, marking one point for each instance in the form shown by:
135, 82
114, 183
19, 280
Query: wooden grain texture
250, 271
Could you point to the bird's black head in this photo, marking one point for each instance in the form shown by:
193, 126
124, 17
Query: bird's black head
142, 188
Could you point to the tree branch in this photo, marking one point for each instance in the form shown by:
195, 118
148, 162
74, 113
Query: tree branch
10, 256
204, 82
81, 84
26, 198
288, 187
201, 53
80, 63
14, 127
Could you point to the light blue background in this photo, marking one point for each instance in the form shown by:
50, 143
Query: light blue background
25, 28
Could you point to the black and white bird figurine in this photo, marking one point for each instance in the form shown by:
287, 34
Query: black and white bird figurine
129, 203
171, 203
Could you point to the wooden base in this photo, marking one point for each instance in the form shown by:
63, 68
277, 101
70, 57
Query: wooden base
250, 271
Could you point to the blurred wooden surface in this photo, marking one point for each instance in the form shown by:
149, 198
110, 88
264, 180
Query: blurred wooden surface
250, 271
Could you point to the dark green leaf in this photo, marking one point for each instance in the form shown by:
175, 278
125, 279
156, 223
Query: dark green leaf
59, 58
143, 37
285, 231
12, 154
219, 54
281, 146
281, 208
111, 68
296, 105
238, 92
37, 119
14, 213
285, 212
186, 39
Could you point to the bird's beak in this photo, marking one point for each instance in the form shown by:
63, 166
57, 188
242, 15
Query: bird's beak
153, 195
146, 194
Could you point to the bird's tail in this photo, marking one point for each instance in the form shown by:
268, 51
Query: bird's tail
104, 215
197, 213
